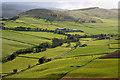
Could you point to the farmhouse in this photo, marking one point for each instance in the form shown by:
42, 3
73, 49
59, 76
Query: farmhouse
60, 28
68, 30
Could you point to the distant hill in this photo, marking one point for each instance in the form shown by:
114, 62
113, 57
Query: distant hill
94, 12
55, 15
10, 9
87, 15
49, 15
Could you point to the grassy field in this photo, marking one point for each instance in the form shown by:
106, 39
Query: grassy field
58, 67
114, 43
19, 64
24, 62
48, 35
100, 68
40, 23
66, 60
94, 47
9, 46
54, 69
13, 24
28, 39
49, 53
92, 28
79, 33
11, 41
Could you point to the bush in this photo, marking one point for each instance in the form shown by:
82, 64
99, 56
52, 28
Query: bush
15, 70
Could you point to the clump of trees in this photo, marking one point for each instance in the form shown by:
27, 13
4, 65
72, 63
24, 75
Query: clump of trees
15, 70
43, 60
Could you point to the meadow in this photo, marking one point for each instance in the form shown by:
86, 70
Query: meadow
94, 47
67, 61
12, 43
98, 68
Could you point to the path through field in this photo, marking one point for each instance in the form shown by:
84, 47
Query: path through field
52, 59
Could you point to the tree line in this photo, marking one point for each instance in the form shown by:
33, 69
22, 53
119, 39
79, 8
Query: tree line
99, 36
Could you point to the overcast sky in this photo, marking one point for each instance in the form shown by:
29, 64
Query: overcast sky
73, 4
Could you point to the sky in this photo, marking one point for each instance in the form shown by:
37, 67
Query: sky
73, 4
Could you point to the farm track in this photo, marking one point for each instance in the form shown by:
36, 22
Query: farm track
76, 68
52, 59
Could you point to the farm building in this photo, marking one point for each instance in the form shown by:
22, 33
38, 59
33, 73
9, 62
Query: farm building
68, 30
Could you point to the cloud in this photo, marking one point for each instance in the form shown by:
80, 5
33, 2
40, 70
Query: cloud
74, 4
88, 3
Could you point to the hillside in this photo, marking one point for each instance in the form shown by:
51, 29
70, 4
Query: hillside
95, 12
54, 15
49, 15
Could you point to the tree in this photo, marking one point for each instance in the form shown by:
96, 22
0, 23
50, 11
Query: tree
29, 66
68, 44
78, 43
42, 60
15, 70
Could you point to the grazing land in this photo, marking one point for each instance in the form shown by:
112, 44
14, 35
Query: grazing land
50, 44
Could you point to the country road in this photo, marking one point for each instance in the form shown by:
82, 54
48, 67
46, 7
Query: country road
71, 50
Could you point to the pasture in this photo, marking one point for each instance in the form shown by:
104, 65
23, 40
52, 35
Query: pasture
66, 60
99, 68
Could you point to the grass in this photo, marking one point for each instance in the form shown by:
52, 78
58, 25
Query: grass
49, 53
9, 46
116, 46
11, 41
73, 33
71, 61
88, 28
100, 68
18, 63
27, 39
13, 24
92, 28
40, 23
44, 34
94, 47
54, 69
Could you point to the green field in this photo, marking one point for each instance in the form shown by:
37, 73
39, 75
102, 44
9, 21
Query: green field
68, 60
49, 53
18, 63
48, 35
9, 46
40, 23
25, 40
94, 47
53, 69
98, 68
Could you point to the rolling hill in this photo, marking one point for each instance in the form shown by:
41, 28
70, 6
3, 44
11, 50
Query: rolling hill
49, 15
81, 16
95, 12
